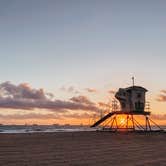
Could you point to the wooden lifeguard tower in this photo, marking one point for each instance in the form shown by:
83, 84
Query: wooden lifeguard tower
132, 102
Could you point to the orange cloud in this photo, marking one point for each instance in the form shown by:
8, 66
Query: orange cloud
90, 90
162, 96
111, 92
159, 116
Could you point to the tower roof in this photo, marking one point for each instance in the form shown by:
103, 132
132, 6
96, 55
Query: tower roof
139, 88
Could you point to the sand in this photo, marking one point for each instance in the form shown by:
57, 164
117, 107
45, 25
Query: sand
83, 149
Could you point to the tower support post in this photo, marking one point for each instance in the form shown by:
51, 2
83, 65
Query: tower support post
148, 126
133, 124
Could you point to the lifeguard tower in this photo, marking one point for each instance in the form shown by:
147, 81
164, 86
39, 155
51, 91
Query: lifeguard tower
132, 102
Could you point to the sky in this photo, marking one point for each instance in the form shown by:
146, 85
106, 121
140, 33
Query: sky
58, 50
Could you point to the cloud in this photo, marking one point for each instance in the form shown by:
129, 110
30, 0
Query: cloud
44, 116
163, 91
111, 92
78, 115
90, 90
162, 96
22, 96
158, 116
105, 105
21, 91
70, 89
82, 99
29, 116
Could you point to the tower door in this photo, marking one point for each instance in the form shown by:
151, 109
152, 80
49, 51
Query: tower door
139, 106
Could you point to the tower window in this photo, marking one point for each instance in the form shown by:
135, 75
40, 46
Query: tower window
139, 95
123, 105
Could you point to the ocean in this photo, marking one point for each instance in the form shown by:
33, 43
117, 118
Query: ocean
42, 128
49, 128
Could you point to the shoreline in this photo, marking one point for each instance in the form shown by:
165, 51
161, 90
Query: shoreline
100, 131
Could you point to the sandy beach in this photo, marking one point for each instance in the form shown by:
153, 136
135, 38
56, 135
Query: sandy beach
82, 149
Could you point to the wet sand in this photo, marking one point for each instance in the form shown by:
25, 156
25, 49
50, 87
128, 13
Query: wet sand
83, 149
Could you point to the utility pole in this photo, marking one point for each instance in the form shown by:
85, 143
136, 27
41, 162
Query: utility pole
133, 80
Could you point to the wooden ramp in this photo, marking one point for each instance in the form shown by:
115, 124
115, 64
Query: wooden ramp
103, 119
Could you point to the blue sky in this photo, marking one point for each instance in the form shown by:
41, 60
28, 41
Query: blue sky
83, 43
69, 41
